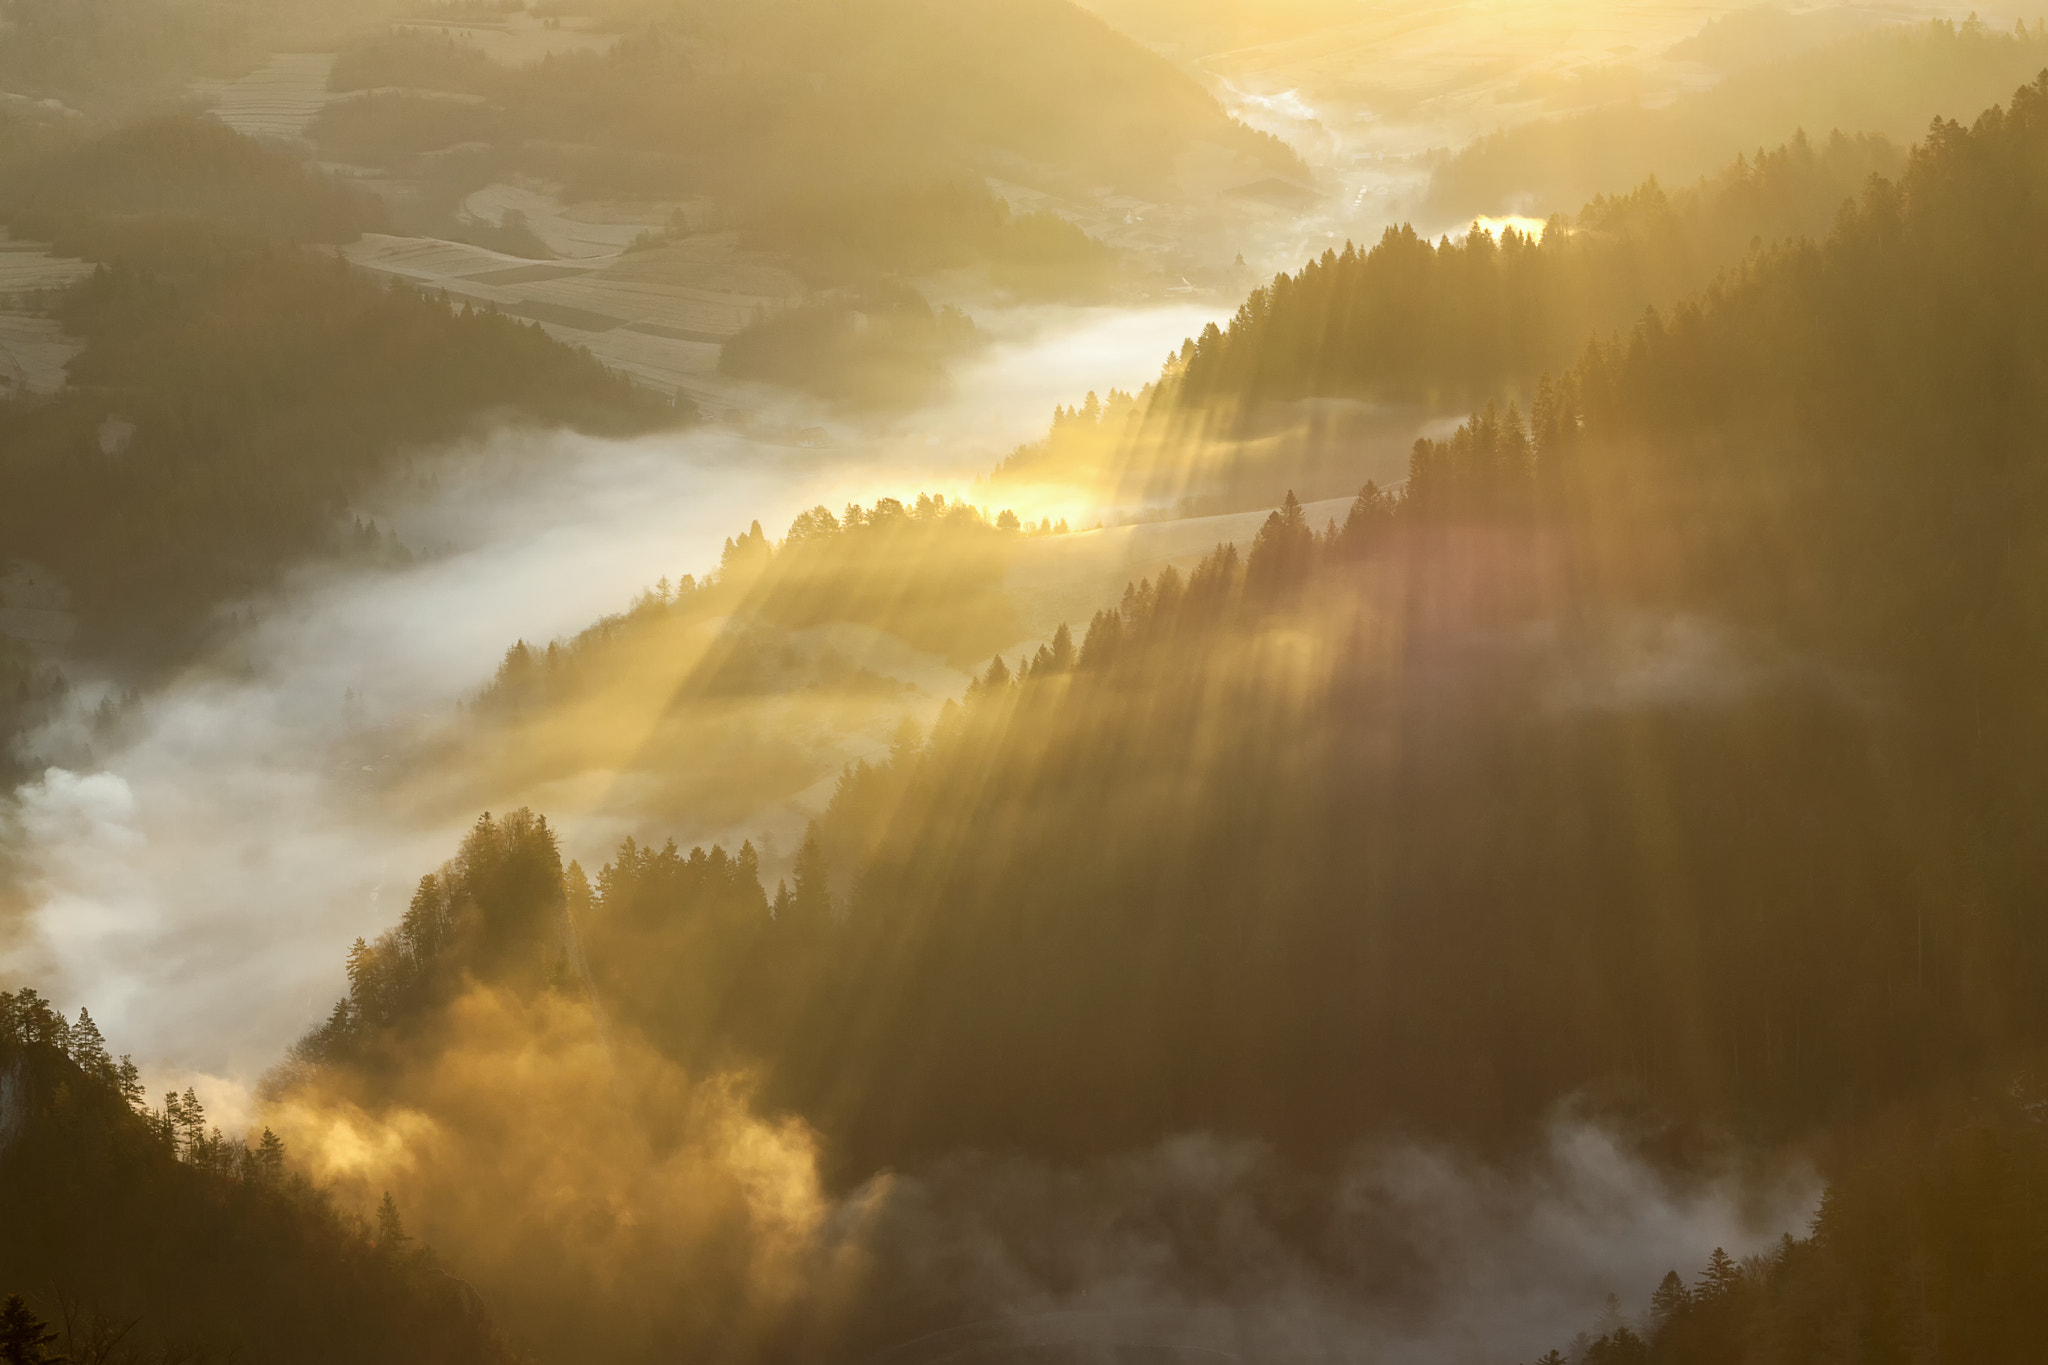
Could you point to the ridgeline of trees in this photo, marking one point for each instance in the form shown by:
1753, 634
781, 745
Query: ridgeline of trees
928, 572
1462, 320
141, 1235
1443, 324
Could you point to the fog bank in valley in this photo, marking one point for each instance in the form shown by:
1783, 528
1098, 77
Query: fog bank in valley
194, 873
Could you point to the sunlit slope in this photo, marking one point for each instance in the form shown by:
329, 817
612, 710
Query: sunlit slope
728, 707
1325, 376
1650, 744
1671, 750
1642, 746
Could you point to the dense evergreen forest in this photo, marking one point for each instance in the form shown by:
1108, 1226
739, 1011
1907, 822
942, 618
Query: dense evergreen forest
1669, 743
237, 386
1929, 1245
1406, 318
141, 1235
1673, 746
1428, 326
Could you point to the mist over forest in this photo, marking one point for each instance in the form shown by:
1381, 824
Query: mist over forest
896, 682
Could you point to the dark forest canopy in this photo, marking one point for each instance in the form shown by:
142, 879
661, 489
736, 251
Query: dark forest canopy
1455, 321
1436, 325
81, 187
266, 387
1931, 1243
142, 1234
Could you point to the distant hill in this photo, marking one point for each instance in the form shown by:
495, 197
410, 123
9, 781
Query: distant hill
1888, 82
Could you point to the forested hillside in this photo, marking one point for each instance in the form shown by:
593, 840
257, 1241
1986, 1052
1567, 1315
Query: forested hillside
715, 698
1410, 327
859, 143
139, 1234
236, 388
1930, 1244
1640, 750
1698, 669
807, 99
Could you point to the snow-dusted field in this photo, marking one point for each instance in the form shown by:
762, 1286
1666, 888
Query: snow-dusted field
278, 101
34, 349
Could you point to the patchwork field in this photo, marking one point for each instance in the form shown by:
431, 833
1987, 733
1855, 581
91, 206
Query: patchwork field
278, 101
660, 315
34, 348
517, 38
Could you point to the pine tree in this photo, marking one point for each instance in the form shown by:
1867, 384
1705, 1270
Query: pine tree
1670, 1298
267, 1161
810, 901
89, 1049
128, 1077
391, 1234
25, 1338
1062, 649
188, 1123
1283, 551
1721, 1277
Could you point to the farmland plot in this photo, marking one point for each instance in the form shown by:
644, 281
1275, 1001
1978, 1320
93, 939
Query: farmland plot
34, 348
278, 101
660, 315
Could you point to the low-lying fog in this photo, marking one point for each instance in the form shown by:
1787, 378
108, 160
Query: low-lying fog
198, 884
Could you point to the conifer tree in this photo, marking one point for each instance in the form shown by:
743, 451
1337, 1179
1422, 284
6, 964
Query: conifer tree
24, 1338
391, 1234
89, 1049
810, 901
1670, 1298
